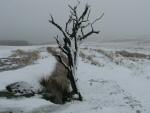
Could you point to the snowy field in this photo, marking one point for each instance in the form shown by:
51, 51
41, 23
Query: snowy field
109, 83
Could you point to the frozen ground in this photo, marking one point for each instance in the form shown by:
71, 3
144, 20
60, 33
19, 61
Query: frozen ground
112, 84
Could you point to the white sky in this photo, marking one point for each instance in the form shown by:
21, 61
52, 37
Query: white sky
28, 19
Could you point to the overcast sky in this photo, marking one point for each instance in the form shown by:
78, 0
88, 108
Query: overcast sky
28, 19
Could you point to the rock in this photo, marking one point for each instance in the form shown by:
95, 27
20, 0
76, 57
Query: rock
22, 88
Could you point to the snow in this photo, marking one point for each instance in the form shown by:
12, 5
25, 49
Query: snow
31, 73
4, 53
107, 88
26, 104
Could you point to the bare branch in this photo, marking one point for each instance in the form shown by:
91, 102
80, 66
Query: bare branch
88, 24
75, 7
92, 31
82, 31
57, 26
82, 28
84, 12
89, 33
88, 14
74, 11
62, 62
97, 19
70, 7
60, 45
67, 23
87, 19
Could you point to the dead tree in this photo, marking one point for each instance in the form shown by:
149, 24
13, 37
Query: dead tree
73, 33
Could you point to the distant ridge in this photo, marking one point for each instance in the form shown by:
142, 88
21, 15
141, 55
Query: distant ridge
14, 42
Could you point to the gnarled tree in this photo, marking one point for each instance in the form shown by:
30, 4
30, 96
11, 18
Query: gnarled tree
73, 33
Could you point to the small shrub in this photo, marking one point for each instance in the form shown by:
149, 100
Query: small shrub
94, 62
89, 57
56, 86
82, 55
134, 55
24, 57
53, 50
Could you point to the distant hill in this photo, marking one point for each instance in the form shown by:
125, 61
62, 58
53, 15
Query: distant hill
14, 42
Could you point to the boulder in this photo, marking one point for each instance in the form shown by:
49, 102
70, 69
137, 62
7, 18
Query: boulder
22, 89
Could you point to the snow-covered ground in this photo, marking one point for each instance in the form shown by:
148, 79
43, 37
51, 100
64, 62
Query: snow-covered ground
117, 85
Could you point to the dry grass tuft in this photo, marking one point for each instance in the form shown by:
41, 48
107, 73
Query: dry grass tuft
133, 55
82, 55
56, 85
95, 62
90, 58
25, 57
53, 50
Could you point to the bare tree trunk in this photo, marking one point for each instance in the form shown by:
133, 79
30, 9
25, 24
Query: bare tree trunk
72, 38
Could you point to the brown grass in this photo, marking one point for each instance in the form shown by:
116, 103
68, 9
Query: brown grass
134, 55
56, 85
82, 55
53, 50
95, 62
25, 57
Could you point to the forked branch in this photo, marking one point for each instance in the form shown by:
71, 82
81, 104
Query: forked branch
89, 33
57, 26
62, 62
92, 29
61, 46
